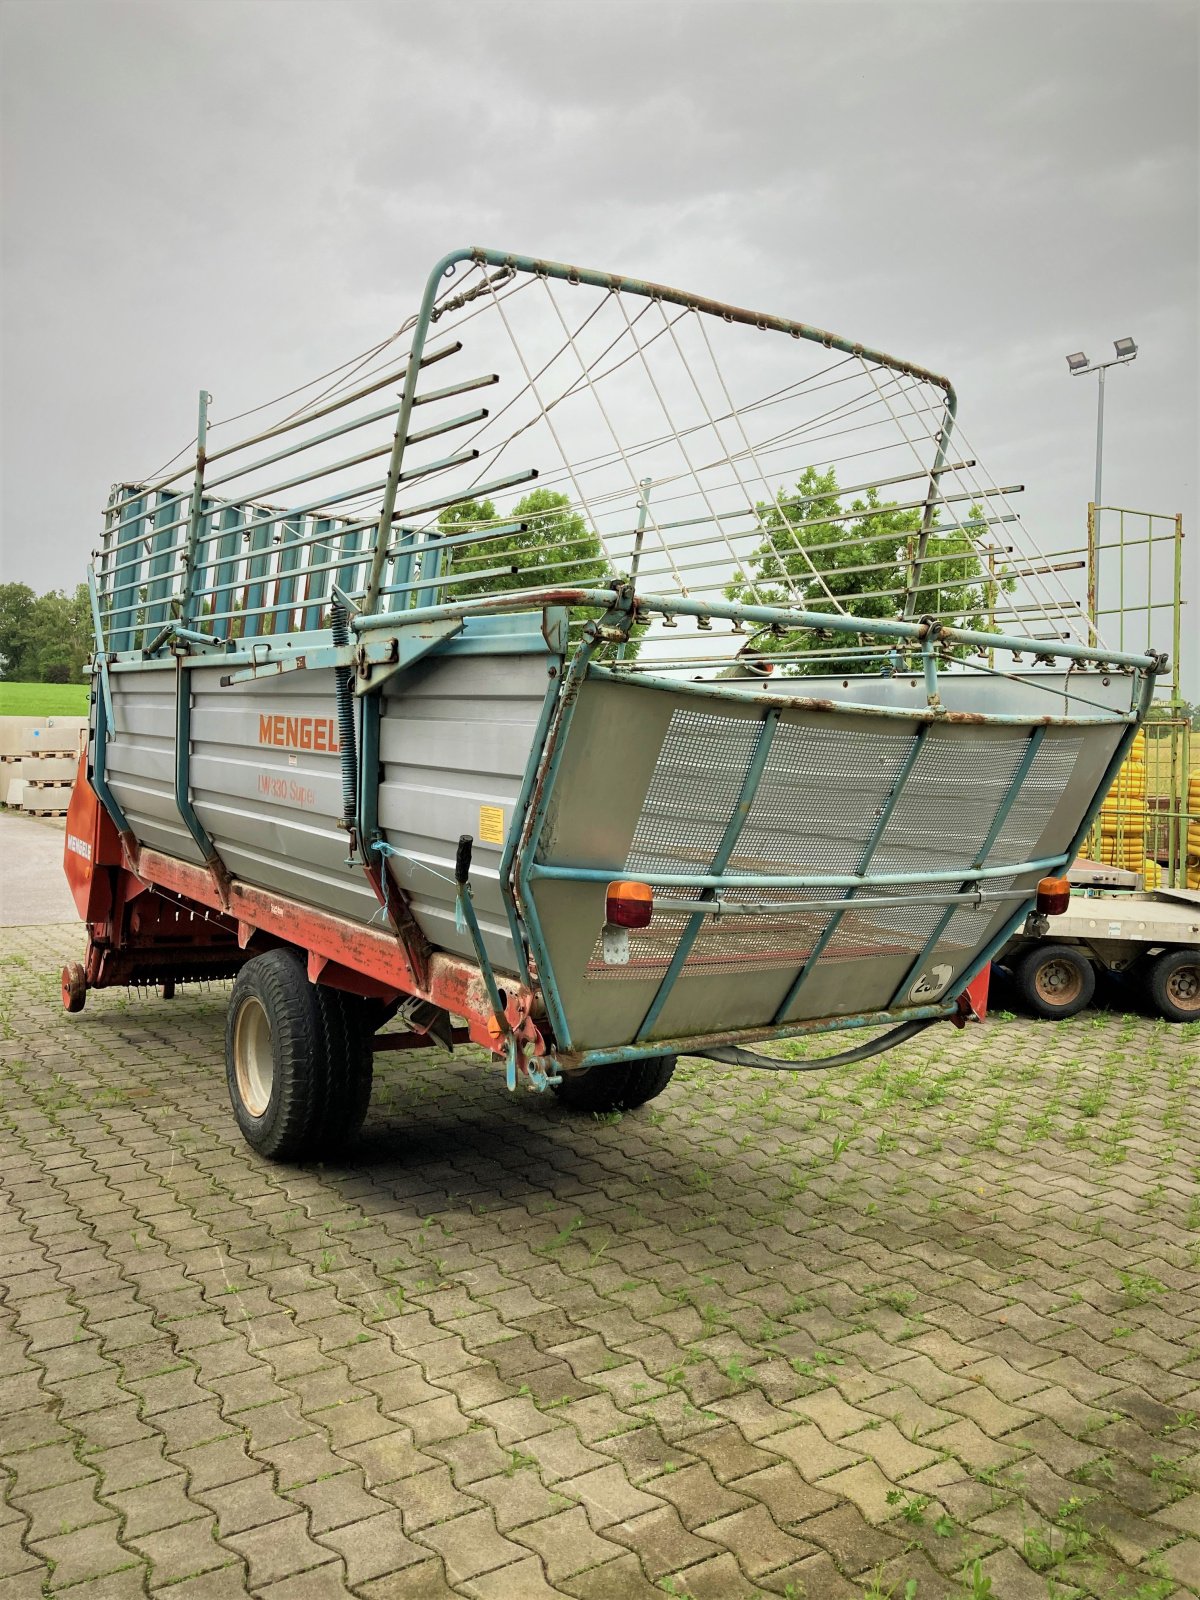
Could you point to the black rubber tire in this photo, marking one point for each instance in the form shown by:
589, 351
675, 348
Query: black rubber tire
1173, 985
616, 1086
1050, 969
277, 985
348, 1071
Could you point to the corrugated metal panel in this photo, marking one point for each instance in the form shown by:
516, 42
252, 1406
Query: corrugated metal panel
456, 741
269, 799
140, 759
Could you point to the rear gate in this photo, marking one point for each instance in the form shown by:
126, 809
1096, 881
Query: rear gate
683, 784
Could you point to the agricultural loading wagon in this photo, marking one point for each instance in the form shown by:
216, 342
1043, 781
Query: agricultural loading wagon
598, 724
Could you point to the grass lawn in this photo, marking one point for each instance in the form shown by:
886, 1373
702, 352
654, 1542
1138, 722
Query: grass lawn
43, 699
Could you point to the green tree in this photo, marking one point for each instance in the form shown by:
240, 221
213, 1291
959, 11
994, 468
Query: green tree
862, 559
17, 601
43, 638
555, 547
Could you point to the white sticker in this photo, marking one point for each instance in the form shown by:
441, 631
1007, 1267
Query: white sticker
930, 984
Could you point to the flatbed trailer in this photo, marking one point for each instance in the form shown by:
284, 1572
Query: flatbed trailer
1151, 936
596, 774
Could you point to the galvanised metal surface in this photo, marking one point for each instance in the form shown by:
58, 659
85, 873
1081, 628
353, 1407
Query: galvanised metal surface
832, 850
456, 738
266, 784
139, 759
659, 813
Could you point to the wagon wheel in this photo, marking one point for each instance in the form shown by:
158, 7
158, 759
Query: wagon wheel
298, 1060
74, 987
613, 1086
275, 1054
1055, 980
1173, 983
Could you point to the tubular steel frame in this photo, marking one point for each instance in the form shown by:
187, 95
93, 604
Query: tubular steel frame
384, 641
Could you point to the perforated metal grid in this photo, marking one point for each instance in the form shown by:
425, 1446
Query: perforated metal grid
822, 792
900, 930
1041, 791
692, 793
949, 803
793, 824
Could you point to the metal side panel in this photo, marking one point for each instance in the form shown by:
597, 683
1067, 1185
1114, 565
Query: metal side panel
140, 758
1045, 692
455, 739
266, 784
649, 781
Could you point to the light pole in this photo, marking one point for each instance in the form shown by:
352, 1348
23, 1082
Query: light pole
1079, 365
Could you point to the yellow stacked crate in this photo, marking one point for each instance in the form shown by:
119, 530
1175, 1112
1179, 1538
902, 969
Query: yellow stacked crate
1193, 832
1122, 832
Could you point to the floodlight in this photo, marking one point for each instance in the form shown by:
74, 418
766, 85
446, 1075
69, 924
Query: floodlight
1078, 362
1125, 348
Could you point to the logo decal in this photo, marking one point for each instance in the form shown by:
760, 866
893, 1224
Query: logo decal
930, 984
299, 733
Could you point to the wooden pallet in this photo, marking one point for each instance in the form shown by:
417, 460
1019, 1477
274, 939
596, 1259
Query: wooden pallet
46, 798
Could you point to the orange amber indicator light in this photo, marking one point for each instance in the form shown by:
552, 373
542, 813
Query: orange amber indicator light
1053, 896
629, 905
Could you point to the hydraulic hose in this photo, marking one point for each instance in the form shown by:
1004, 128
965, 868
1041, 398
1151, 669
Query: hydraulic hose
747, 1058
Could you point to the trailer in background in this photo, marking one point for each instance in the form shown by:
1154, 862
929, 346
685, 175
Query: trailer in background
1111, 926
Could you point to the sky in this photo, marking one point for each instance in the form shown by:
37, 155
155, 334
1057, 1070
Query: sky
237, 195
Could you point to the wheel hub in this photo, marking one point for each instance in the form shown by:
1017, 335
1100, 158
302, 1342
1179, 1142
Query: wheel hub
1183, 986
1058, 981
253, 1060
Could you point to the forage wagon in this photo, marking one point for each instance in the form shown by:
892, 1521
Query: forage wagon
592, 671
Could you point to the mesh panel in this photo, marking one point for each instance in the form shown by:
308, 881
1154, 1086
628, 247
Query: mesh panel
1040, 793
692, 793
821, 795
898, 930
819, 799
792, 827
1017, 840
949, 803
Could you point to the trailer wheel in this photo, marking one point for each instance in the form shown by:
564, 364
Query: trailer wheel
74, 987
348, 1024
616, 1086
1173, 983
275, 1054
1055, 980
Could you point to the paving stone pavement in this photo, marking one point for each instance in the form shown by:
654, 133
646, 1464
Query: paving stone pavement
928, 1326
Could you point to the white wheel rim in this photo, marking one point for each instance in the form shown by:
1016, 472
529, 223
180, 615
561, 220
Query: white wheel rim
253, 1062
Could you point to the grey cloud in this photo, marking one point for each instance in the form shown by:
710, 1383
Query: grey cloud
239, 194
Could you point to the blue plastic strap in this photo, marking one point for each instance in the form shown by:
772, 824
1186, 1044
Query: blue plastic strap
386, 849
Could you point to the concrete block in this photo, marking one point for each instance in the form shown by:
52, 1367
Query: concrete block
59, 736
47, 769
16, 734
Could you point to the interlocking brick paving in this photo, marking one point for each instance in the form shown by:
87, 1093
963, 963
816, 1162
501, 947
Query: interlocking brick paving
929, 1321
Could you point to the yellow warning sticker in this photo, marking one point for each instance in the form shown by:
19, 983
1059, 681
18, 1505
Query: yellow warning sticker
491, 825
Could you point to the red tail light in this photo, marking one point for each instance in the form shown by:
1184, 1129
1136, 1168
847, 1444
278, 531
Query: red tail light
629, 905
1053, 896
